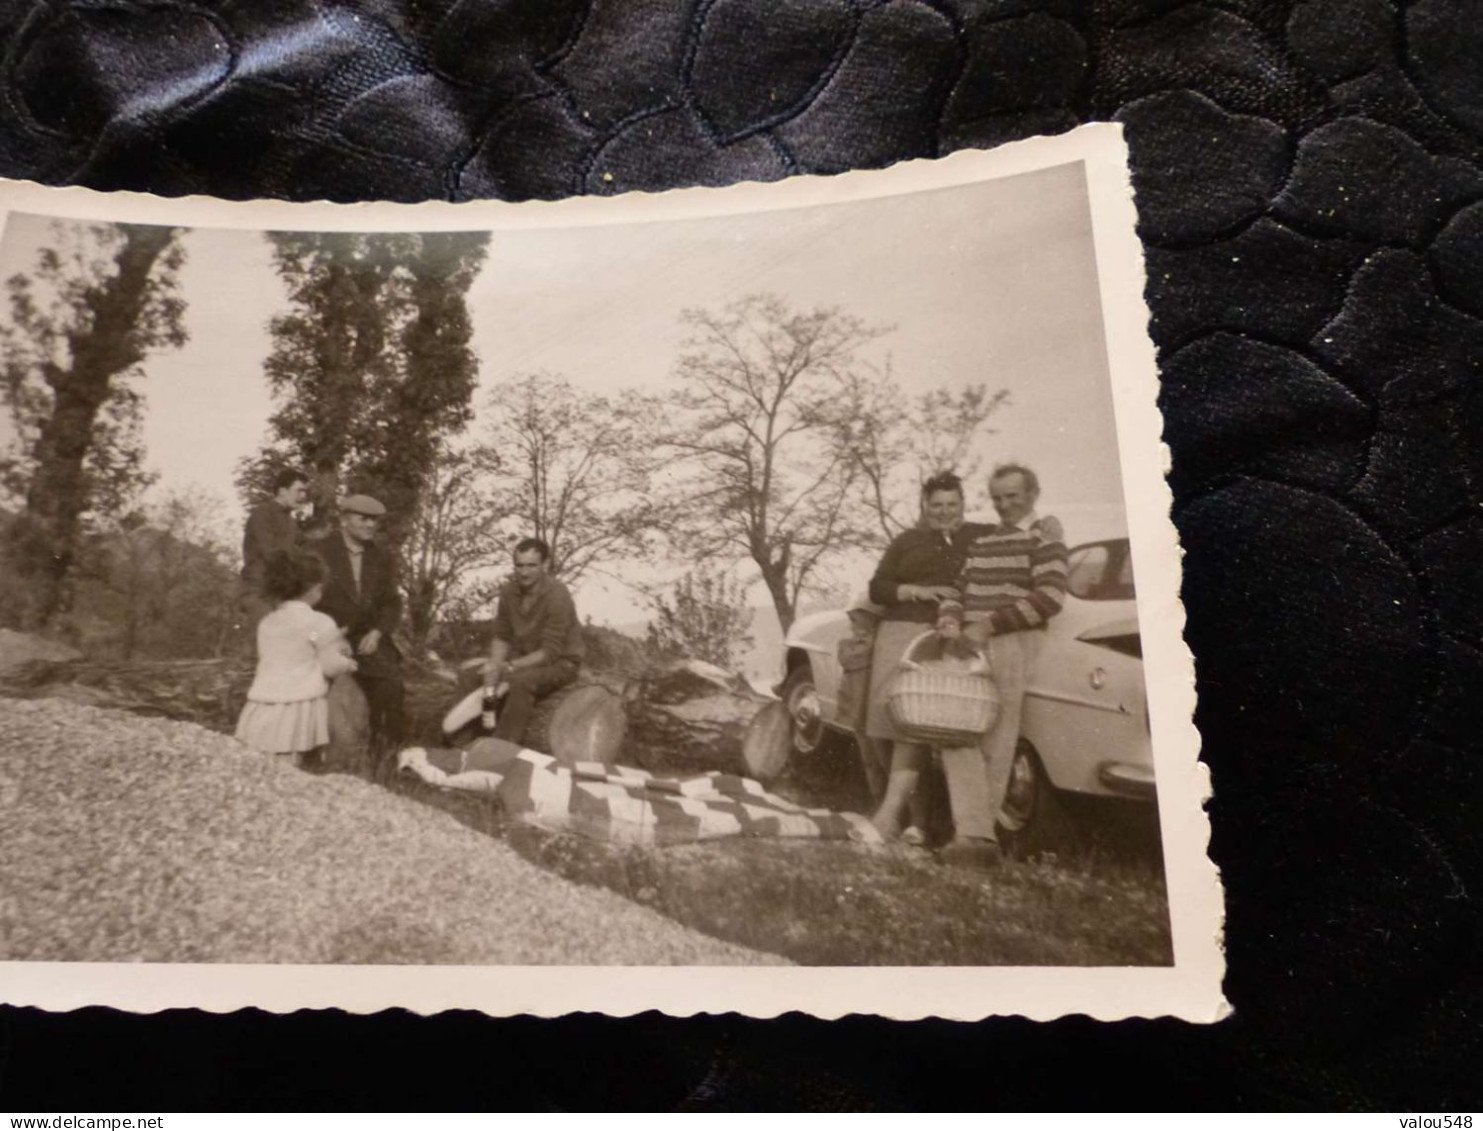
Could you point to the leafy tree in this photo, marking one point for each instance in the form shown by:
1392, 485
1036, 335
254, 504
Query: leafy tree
329, 349
371, 364
448, 545
897, 443
705, 618
82, 323
164, 575
769, 402
575, 470
427, 395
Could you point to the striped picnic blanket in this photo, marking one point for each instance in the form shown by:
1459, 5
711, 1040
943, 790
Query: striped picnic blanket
631, 806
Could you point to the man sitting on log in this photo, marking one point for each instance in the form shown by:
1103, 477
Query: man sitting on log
537, 646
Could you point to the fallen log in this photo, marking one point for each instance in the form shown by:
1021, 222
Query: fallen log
705, 733
582, 722
767, 745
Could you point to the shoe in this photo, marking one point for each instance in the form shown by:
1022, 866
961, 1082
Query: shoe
413, 758
973, 852
914, 837
889, 830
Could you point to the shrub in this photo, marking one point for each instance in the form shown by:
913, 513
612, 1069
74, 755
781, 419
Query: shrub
706, 618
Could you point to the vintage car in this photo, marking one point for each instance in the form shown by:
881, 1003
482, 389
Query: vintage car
1084, 730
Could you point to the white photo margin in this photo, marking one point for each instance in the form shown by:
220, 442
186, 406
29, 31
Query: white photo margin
1189, 989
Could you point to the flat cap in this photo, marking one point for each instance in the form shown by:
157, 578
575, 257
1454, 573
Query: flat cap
363, 504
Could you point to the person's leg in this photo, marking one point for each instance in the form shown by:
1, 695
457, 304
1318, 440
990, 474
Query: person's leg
371, 689
1012, 659
919, 810
311, 761
393, 710
526, 687
907, 759
382, 707
252, 606
968, 792
875, 761
979, 775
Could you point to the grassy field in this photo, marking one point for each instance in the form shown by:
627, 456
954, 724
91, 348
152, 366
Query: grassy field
835, 903
1100, 900
1097, 900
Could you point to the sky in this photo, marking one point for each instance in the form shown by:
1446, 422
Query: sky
992, 282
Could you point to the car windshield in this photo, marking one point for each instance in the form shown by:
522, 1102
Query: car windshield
1101, 571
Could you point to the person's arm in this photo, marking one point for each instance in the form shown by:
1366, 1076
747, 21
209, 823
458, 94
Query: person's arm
329, 647
1048, 585
386, 613
389, 607
495, 668
529, 660
887, 587
561, 619
501, 635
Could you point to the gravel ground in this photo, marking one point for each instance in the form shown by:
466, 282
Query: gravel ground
137, 839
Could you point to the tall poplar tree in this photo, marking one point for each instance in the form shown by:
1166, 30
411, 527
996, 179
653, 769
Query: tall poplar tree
329, 348
82, 322
426, 396
372, 365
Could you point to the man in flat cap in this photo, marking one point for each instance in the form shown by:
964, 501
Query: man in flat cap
361, 595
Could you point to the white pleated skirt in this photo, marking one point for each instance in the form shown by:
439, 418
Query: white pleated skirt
285, 728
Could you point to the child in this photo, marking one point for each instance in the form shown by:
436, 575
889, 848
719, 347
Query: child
947, 649
299, 650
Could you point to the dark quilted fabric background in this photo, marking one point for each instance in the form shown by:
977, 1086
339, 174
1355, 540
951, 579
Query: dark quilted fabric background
1311, 193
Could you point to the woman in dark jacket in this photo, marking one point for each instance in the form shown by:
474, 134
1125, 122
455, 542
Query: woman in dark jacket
920, 567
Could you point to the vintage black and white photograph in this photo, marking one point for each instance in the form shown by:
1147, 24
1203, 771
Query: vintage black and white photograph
758, 599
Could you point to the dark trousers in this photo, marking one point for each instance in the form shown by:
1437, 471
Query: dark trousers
252, 607
526, 687
385, 703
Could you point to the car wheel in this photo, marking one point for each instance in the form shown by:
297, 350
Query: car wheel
1033, 817
801, 700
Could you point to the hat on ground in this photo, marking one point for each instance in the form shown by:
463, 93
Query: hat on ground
362, 504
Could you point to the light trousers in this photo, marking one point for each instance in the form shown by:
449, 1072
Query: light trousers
978, 776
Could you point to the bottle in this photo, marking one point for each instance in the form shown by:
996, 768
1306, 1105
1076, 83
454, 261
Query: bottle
486, 710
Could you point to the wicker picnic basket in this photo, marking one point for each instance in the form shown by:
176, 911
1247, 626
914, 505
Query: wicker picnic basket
940, 706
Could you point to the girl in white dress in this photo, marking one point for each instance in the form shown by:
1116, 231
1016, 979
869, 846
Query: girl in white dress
299, 651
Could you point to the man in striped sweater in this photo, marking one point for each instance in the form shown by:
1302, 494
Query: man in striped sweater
1014, 581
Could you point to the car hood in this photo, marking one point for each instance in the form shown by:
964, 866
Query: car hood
817, 630
1108, 630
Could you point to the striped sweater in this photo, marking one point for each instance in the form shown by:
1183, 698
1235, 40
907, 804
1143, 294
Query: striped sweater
1015, 579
